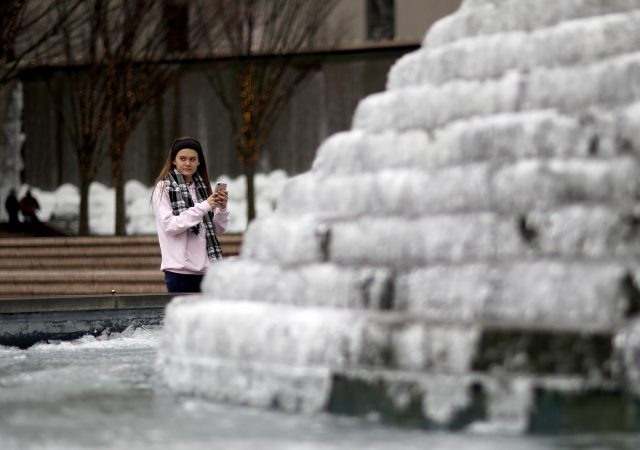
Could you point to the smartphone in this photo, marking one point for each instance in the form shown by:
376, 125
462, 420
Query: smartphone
221, 187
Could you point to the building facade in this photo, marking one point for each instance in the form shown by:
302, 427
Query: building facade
372, 34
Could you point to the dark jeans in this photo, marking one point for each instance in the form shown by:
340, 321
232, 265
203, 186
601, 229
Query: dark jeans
182, 282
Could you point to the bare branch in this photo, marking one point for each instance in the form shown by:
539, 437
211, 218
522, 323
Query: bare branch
261, 36
30, 29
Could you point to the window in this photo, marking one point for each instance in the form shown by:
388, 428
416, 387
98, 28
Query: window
380, 20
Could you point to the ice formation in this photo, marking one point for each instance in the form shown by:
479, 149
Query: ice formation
464, 255
12, 140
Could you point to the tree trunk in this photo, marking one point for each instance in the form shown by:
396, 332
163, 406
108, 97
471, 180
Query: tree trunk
59, 134
83, 225
249, 172
118, 186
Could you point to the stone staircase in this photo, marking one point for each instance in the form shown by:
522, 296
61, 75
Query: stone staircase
54, 266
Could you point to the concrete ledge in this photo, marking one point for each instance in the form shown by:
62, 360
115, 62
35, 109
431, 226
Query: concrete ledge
82, 303
24, 330
26, 321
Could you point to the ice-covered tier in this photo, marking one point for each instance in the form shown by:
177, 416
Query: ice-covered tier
12, 139
468, 255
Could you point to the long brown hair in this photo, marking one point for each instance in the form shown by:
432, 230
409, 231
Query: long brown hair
180, 144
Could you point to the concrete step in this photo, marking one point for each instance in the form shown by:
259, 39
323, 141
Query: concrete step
59, 289
62, 282
93, 265
91, 241
80, 263
76, 241
94, 247
93, 276
87, 252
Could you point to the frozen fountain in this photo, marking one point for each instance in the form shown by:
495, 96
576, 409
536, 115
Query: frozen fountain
466, 256
12, 140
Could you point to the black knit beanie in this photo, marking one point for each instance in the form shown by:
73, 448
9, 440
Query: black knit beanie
186, 143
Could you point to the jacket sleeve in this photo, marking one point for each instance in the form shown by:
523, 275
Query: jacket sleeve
220, 220
177, 224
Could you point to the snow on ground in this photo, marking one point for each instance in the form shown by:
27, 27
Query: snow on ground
62, 205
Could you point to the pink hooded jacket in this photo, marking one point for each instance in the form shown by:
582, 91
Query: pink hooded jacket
182, 250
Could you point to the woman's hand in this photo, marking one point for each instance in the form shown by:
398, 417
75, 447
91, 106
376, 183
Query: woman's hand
218, 199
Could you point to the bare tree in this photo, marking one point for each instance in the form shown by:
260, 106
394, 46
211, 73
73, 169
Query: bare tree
83, 103
262, 37
119, 67
28, 30
115, 66
138, 72
30, 34
36, 32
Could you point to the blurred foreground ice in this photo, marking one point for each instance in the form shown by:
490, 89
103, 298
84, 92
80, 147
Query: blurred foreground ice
105, 393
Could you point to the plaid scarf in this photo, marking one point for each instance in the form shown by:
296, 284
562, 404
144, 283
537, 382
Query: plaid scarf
181, 200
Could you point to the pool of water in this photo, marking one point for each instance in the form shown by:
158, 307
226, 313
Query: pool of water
105, 393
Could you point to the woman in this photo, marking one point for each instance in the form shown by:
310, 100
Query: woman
188, 216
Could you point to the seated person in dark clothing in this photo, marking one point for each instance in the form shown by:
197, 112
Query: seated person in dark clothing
29, 207
12, 206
